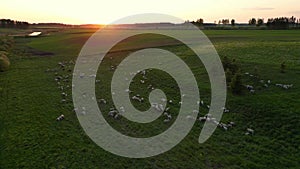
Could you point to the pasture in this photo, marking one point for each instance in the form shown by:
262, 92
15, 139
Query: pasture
31, 100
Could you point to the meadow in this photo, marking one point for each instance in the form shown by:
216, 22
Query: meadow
31, 100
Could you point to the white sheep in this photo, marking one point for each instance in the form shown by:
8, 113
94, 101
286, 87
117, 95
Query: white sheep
190, 117
102, 101
202, 118
249, 131
249, 87
60, 118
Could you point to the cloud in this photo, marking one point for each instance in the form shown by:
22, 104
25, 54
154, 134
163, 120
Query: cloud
258, 9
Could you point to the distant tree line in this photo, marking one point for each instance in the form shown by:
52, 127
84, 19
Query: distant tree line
283, 23
272, 23
8, 23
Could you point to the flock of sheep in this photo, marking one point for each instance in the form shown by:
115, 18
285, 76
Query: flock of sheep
63, 76
266, 84
63, 84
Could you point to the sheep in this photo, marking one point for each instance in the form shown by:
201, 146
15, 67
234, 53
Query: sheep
112, 112
128, 91
102, 101
142, 81
64, 94
157, 107
269, 81
150, 86
208, 115
252, 91
249, 131
75, 109
166, 120
225, 128
112, 67
225, 110
163, 100
287, 86
58, 78
143, 72
190, 117
284, 86
202, 118
202, 102
137, 98
117, 115
249, 87
132, 73
122, 109
161, 107
169, 117
208, 106
170, 101
266, 86
216, 122
82, 75
247, 73
195, 111
61, 64
60, 118
232, 123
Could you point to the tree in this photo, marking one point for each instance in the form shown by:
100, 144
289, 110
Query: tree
260, 22
200, 21
252, 21
225, 21
281, 22
232, 22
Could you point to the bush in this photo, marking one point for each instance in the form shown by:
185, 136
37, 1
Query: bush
6, 44
282, 67
4, 62
228, 75
236, 84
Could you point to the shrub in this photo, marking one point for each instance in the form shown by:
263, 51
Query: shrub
6, 44
236, 84
226, 63
282, 67
228, 75
4, 62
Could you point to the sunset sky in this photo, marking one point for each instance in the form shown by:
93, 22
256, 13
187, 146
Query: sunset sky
103, 12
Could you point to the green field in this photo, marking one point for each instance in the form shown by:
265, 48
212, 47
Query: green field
31, 100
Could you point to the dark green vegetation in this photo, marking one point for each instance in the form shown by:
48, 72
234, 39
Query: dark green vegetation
6, 44
30, 101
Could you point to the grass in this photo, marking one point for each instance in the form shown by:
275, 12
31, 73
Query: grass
31, 100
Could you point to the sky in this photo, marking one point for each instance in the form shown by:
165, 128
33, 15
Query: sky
107, 11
